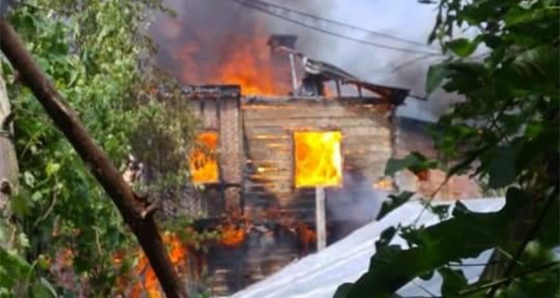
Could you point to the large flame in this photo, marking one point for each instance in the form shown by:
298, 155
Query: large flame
203, 163
237, 55
318, 160
249, 68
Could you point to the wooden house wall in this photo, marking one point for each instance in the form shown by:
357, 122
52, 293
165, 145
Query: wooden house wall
223, 115
268, 131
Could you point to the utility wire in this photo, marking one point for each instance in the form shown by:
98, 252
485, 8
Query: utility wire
341, 24
300, 17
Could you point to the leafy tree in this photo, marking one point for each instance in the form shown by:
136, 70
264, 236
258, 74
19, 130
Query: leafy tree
506, 134
99, 58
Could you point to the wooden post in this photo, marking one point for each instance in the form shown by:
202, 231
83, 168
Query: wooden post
294, 74
320, 218
337, 88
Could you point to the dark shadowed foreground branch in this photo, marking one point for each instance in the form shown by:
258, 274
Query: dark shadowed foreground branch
131, 209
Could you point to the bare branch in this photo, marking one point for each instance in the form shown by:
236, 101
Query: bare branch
506, 280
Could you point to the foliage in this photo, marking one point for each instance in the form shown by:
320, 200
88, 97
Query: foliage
99, 58
506, 134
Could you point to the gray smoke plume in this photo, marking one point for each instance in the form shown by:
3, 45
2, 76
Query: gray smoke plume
357, 202
208, 34
211, 39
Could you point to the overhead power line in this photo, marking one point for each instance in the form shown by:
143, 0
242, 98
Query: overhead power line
343, 25
314, 22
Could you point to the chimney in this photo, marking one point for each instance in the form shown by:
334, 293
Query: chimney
285, 43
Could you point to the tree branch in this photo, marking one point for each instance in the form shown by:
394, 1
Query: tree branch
100, 166
506, 280
530, 236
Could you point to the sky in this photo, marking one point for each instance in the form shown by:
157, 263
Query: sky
406, 19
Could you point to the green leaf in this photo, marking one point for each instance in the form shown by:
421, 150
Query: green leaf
465, 236
393, 202
427, 275
28, 178
395, 165
414, 162
48, 286
385, 238
20, 204
544, 142
436, 75
13, 268
52, 168
502, 167
343, 290
460, 209
36, 196
453, 281
520, 15
39, 290
43, 63
442, 211
462, 47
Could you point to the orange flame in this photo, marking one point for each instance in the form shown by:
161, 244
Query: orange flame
242, 59
244, 68
232, 236
384, 184
318, 159
203, 163
306, 235
150, 284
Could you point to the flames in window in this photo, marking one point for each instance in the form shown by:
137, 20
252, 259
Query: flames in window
203, 162
318, 160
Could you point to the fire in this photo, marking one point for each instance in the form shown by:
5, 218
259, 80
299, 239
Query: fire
150, 284
384, 184
238, 55
318, 160
307, 237
203, 163
232, 236
245, 68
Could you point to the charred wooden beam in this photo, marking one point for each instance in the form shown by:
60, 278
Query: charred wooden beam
288, 100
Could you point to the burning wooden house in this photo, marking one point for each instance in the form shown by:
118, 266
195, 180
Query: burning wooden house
269, 165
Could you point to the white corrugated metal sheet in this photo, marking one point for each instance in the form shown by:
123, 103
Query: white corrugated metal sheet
319, 275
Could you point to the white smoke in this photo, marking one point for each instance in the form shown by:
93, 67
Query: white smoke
357, 202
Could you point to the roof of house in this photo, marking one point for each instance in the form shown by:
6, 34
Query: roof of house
319, 275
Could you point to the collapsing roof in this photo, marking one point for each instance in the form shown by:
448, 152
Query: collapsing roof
329, 72
317, 72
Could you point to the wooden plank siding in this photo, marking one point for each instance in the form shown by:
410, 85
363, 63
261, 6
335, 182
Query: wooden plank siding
268, 129
259, 155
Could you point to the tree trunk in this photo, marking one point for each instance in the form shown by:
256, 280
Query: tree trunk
8, 160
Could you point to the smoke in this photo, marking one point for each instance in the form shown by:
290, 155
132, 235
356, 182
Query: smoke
212, 35
220, 41
357, 202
